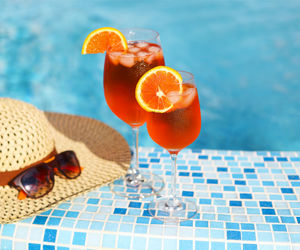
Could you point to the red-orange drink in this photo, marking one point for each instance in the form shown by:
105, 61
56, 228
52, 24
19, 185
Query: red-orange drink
179, 127
121, 74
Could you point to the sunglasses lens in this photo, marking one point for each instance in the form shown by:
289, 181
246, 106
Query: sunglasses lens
38, 181
68, 164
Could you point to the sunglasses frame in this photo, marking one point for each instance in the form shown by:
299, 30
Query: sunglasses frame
52, 166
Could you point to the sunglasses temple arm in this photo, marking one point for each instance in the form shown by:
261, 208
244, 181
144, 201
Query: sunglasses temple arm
22, 195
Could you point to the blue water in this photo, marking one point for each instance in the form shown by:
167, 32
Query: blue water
245, 56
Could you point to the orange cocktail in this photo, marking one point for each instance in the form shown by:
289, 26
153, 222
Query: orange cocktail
173, 122
180, 126
129, 54
121, 74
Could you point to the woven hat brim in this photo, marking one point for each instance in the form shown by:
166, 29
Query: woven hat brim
102, 152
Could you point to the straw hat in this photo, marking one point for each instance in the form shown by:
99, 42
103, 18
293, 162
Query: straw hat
29, 135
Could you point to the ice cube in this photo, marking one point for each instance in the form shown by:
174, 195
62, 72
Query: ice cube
115, 57
133, 49
141, 44
150, 59
187, 98
142, 54
127, 60
154, 49
173, 96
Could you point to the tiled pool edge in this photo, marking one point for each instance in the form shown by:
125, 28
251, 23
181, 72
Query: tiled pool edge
247, 200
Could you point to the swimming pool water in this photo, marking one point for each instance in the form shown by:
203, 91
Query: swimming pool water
245, 56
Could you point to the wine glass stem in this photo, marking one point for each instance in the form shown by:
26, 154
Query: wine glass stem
173, 202
135, 148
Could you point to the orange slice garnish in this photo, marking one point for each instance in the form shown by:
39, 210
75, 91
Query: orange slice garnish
100, 40
156, 87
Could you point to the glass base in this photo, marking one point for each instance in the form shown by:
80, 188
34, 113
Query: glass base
172, 210
141, 185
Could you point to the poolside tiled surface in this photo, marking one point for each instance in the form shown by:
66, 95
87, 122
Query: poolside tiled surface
247, 201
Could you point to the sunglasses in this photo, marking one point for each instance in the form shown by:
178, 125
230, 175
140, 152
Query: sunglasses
38, 181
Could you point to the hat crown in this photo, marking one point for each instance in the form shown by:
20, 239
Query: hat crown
25, 135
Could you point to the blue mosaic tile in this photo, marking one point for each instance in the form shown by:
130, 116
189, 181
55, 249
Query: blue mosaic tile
233, 235
40, 220
205, 201
265, 237
222, 169
234, 246
272, 219
184, 174
250, 236
68, 223
238, 182
144, 165
247, 226
245, 196
279, 228
198, 181
156, 221
235, 203
201, 224
53, 221
72, 214
8, 230
58, 212
197, 174
216, 195
268, 159
265, 204
79, 238
295, 237
287, 219
249, 247
281, 237
229, 188
93, 201
109, 240
126, 227
140, 229
31, 246
135, 204
48, 247
212, 181
188, 223
181, 167
154, 160
82, 224
185, 244
91, 209
249, 170
50, 235
143, 220
124, 242
120, 211
268, 211
295, 159
187, 193
287, 190
230, 225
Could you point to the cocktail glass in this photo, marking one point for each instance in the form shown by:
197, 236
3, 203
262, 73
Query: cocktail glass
175, 130
121, 74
